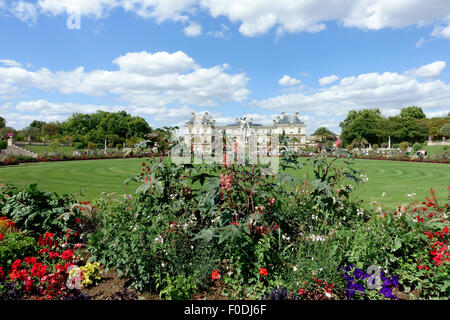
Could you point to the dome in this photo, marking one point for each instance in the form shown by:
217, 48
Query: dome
288, 119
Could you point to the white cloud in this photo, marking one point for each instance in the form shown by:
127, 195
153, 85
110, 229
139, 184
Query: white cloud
388, 90
155, 64
10, 63
95, 8
432, 70
25, 11
20, 115
288, 81
257, 17
442, 31
143, 79
223, 33
193, 30
328, 79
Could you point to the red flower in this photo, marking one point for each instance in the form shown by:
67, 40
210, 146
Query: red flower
301, 291
263, 272
44, 250
66, 255
30, 260
49, 235
215, 275
1, 236
1, 272
78, 220
53, 255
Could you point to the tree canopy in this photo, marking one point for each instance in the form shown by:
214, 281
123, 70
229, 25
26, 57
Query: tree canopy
411, 125
412, 112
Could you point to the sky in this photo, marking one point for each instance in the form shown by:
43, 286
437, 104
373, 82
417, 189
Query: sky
164, 59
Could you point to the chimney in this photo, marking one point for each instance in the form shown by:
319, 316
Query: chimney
282, 115
192, 113
296, 113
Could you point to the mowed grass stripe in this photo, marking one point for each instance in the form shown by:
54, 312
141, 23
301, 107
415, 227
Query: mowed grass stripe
94, 176
397, 179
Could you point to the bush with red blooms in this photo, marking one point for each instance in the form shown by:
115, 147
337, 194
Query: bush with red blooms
434, 267
44, 277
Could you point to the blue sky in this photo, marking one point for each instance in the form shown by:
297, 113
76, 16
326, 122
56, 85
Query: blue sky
163, 60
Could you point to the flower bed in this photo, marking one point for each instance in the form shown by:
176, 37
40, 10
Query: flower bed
17, 160
241, 235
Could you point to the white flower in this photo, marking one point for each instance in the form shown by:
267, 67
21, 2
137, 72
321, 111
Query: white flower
159, 239
328, 294
295, 269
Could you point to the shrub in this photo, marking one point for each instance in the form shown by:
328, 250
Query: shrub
403, 145
79, 146
375, 146
92, 146
417, 146
16, 246
37, 212
3, 144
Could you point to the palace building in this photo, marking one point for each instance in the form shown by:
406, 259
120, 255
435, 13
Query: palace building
201, 130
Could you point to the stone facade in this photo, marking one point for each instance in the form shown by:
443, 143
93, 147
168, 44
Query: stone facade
201, 130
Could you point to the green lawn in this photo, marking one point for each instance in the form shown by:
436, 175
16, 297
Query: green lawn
435, 149
396, 179
93, 176
42, 149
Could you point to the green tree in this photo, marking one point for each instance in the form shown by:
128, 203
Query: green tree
37, 124
323, 134
32, 133
5, 130
50, 129
412, 112
2, 122
360, 142
445, 130
367, 124
406, 129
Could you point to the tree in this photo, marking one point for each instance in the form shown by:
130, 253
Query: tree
367, 124
50, 128
2, 122
406, 129
412, 112
360, 142
31, 132
445, 130
323, 134
5, 130
434, 126
37, 124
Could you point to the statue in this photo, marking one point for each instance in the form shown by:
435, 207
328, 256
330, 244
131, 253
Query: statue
244, 128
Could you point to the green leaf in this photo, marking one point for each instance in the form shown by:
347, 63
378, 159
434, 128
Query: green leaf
205, 235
